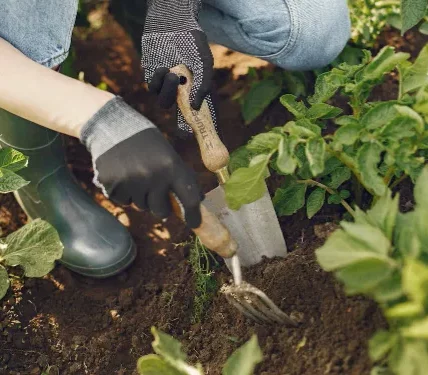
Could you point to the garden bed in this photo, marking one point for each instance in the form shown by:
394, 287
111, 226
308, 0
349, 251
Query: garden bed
72, 325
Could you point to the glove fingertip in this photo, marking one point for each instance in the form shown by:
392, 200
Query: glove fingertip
194, 218
196, 104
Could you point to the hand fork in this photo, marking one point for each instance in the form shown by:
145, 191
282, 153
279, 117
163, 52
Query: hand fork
213, 234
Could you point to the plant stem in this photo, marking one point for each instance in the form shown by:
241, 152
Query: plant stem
389, 175
329, 190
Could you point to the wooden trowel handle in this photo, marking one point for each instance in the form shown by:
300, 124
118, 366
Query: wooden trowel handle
214, 153
212, 233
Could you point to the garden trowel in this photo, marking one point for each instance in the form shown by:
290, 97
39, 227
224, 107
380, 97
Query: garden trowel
240, 237
254, 226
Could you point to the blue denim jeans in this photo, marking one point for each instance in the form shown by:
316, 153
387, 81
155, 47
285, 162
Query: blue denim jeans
293, 34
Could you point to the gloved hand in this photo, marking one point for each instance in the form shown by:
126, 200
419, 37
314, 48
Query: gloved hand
133, 162
172, 36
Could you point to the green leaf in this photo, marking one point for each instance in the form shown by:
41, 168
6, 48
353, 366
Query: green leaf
347, 135
246, 185
300, 131
412, 11
415, 281
307, 124
412, 117
264, 143
418, 330
35, 247
315, 153
388, 290
259, 97
344, 194
289, 200
368, 158
416, 76
4, 281
327, 84
338, 177
153, 364
380, 115
167, 346
404, 310
10, 181
384, 214
12, 160
423, 29
240, 158
244, 360
315, 202
381, 344
297, 108
420, 192
406, 235
295, 82
322, 111
410, 358
371, 237
399, 128
385, 61
170, 350
287, 161
359, 242
334, 199
360, 277
346, 120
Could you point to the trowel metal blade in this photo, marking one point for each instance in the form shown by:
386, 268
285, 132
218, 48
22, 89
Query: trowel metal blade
254, 227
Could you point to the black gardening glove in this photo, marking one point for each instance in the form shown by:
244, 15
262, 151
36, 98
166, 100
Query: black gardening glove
134, 163
172, 36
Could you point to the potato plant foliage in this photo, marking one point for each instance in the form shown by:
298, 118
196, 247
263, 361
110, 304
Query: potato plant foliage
171, 360
384, 255
373, 144
34, 247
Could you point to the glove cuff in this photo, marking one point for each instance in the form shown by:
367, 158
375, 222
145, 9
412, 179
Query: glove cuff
112, 124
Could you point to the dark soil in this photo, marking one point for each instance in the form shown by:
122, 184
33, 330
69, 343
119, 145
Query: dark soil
67, 324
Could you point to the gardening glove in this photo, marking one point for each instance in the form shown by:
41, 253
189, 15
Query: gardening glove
133, 163
172, 36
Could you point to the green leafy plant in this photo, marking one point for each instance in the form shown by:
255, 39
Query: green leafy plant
369, 18
36, 246
205, 283
326, 155
384, 254
171, 360
265, 87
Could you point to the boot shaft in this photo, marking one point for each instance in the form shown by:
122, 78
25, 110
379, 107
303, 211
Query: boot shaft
44, 147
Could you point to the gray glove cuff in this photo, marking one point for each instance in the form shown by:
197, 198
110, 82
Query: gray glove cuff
112, 124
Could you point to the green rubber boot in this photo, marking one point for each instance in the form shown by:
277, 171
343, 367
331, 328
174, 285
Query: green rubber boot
95, 243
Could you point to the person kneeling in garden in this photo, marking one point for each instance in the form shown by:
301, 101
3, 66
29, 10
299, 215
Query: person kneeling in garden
132, 160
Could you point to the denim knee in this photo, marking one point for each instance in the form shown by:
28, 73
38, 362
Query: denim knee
317, 33
293, 34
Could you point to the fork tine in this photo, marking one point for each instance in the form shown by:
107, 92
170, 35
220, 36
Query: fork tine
253, 315
255, 304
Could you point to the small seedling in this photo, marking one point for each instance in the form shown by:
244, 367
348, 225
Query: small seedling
205, 284
171, 360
